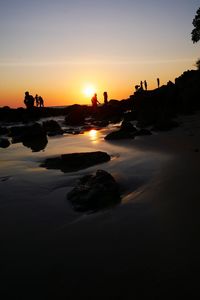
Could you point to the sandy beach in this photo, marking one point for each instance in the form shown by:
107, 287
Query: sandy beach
147, 246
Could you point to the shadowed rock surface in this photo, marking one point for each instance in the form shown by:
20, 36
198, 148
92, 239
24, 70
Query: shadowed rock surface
120, 135
33, 136
38, 143
94, 192
75, 161
4, 131
52, 128
4, 143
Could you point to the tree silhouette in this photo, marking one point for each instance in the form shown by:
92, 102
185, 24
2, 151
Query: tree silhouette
196, 31
198, 64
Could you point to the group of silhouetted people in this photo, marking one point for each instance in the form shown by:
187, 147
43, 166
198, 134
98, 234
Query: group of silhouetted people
141, 87
30, 101
95, 101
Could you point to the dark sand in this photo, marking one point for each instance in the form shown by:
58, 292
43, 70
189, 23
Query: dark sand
146, 248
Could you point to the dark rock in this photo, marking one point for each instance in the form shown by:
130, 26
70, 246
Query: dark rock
94, 192
4, 130
128, 127
31, 131
119, 135
33, 136
17, 131
38, 143
76, 117
76, 161
52, 128
129, 116
4, 143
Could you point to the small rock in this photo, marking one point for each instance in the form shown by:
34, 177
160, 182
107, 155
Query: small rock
94, 192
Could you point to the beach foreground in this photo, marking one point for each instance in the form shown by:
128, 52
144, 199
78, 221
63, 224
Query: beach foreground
148, 246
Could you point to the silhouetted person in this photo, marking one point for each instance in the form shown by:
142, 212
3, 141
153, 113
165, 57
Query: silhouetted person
141, 85
37, 100
94, 101
41, 101
29, 100
158, 82
105, 96
145, 85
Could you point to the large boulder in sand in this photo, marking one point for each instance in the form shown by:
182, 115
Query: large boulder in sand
94, 192
75, 161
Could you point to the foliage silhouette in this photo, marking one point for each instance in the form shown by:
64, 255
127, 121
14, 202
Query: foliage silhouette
196, 31
197, 64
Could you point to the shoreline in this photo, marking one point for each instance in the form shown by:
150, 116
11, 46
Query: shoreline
147, 246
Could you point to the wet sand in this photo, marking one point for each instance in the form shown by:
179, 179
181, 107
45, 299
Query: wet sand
148, 246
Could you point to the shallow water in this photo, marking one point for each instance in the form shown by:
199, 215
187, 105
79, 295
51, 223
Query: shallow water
23, 183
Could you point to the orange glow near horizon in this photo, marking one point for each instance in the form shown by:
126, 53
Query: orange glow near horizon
75, 85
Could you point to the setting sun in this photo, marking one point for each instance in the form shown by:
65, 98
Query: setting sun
89, 91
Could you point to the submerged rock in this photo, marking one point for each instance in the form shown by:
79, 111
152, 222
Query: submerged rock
94, 192
75, 161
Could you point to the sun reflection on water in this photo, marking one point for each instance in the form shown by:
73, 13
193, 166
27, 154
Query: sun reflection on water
93, 135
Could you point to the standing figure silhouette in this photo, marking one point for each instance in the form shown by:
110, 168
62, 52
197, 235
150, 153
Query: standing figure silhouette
145, 85
94, 101
105, 96
158, 82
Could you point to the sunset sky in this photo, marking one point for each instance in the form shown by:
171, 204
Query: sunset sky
56, 48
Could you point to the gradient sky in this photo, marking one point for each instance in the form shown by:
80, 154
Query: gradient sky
57, 47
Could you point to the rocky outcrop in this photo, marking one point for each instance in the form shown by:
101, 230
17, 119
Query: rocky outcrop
94, 192
4, 143
75, 161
